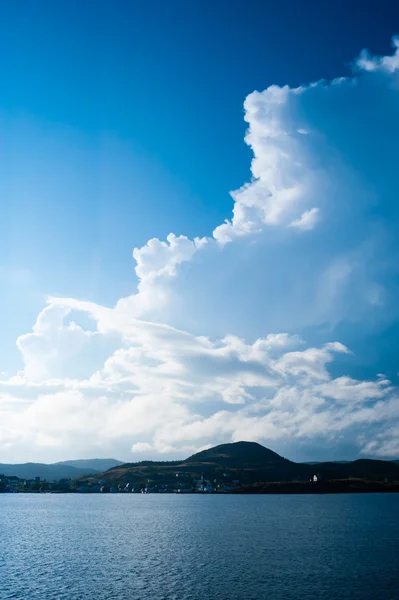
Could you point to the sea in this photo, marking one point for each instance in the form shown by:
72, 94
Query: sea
199, 547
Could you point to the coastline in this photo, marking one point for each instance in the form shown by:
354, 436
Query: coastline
349, 486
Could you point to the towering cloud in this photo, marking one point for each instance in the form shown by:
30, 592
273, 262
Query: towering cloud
311, 241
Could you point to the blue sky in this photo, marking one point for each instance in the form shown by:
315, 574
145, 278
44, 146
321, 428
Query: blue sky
121, 123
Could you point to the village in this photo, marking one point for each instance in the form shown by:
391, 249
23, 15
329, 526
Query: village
184, 484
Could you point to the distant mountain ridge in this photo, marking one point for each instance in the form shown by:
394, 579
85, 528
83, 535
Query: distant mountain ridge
99, 464
67, 469
245, 461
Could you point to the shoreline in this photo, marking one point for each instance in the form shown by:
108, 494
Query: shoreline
272, 488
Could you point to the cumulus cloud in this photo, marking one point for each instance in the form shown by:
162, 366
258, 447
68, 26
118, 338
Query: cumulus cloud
318, 200
307, 220
390, 64
156, 264
165, 390
283, 178
136, 382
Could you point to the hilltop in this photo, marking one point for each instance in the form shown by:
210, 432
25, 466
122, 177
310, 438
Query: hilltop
238, 455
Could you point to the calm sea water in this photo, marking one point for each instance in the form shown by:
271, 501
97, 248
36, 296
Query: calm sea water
67, 547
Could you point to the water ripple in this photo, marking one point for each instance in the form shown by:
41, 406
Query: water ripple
170, 547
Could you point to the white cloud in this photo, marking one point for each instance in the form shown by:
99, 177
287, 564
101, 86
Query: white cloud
386, 443
307, 220
282, 176
157, 259
345, 389
156, 264
127, 383
165, 390
141, 447
380, 63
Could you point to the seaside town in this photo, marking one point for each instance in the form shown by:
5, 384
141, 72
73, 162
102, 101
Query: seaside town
185, 483
240, 467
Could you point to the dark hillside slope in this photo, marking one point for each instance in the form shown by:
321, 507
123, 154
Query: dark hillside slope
363, 469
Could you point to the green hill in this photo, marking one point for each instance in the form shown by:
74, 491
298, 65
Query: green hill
247, 462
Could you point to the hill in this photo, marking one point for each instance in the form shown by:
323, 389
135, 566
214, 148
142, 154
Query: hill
247, 462
238, 455
364, 468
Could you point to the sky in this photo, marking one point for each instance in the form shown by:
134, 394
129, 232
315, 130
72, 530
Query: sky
198, 228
